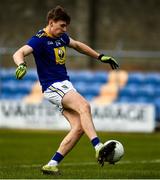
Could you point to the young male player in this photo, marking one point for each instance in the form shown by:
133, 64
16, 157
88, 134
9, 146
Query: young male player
49, 50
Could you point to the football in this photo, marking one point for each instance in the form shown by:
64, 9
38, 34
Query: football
117, 154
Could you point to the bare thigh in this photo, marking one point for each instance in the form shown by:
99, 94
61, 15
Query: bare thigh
73, 118
73, 100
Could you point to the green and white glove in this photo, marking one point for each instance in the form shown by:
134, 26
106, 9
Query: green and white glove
21, 71
107, 59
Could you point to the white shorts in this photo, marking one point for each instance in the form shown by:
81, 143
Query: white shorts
56, 92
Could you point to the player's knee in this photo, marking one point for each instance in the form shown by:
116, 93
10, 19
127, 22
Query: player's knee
85, 108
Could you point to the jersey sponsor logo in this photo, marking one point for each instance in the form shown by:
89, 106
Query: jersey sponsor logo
50, 42
58, 43
60, 54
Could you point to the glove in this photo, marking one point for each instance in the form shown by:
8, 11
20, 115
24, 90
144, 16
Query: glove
106, 59
21, 71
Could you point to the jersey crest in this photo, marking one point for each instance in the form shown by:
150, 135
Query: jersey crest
60, 55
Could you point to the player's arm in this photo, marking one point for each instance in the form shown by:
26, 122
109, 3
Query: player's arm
18, 58
85, 49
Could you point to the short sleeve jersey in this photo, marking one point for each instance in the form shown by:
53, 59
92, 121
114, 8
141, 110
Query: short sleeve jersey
50, 56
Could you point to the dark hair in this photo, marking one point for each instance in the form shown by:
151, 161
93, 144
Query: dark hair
58, 13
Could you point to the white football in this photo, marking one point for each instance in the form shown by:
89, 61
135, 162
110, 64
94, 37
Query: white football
117, 153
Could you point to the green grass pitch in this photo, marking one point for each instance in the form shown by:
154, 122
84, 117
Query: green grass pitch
23, 152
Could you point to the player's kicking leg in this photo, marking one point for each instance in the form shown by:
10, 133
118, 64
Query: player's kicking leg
75, 101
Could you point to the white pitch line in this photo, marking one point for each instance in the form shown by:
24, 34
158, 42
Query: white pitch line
86, 163
120, 162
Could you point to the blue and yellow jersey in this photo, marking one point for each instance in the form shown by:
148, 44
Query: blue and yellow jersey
50, 57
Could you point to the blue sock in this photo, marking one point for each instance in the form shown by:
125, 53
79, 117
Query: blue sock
58, 157
95, 141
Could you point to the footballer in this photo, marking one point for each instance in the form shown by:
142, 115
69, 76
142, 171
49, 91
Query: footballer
48, 47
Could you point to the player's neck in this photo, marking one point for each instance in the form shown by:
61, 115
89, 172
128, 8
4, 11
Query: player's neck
47, 31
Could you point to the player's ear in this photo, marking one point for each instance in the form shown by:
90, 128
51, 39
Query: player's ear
50, 22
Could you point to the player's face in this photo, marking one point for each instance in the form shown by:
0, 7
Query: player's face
58, 28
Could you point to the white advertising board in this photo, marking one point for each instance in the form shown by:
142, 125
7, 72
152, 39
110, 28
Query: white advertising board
114, 117
124, 117
15, 114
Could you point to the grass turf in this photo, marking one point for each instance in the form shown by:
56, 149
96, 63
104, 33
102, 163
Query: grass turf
22, 153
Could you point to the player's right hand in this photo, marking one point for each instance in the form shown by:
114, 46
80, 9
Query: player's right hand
21, 71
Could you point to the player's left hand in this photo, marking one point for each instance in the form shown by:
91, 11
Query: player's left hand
107, 59
21, 71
